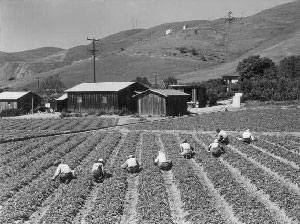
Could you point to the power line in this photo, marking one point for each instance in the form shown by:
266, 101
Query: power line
228, 21
94, 55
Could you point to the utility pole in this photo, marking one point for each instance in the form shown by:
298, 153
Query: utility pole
38, 83
229, 20
94, 55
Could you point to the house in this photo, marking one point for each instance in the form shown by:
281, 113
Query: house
196, 92
25, 100
230, 79
61, 103
168, 102
108, 97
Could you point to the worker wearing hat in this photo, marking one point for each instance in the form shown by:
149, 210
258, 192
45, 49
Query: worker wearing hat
187, 151
98, 170
216, 148
162, 162
64, 172
222, 137
247, 137
131, 164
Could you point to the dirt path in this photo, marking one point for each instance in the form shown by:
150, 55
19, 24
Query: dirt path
87, 207
176, 205
131, 197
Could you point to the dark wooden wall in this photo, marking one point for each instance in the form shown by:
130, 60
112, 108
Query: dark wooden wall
104, 101
156, 104
24, 102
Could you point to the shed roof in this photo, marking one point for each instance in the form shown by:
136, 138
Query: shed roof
12, 95
100, 87
166, 92
63, 97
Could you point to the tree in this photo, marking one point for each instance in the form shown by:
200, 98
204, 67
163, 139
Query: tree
290, 67
169, 81
142, 80
52, 86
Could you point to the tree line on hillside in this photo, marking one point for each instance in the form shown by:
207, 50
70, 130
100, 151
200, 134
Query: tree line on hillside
261, 79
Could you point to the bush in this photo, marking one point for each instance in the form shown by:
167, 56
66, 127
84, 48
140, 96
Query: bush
12, 112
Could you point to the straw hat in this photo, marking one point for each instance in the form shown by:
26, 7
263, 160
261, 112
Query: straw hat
130, 156
216, 141
184, 141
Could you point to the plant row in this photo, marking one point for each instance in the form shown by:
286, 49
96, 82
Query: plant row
109, 205
30, 198
194, 194
283, 196
153, 205
66, 207
246, 207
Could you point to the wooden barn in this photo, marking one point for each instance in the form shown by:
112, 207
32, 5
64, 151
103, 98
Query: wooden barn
166, 102
19, 100
197, 93
61, 103
103, 96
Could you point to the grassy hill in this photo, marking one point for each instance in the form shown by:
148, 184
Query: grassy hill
195, 54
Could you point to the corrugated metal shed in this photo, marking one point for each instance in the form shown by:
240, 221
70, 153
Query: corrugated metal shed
100, 87
12, 95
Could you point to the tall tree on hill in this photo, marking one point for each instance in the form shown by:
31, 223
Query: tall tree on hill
142, 80
52, 87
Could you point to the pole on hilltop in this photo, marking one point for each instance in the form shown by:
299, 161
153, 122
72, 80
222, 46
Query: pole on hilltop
94, 55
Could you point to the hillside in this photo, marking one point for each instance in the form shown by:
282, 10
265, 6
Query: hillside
195, 54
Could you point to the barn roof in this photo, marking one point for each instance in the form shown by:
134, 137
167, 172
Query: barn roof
12, 95
63, 97
100, 87
166, 92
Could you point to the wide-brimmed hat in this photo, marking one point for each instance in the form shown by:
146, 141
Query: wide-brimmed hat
248, 130
130, 156
100, 160
216, 141
218, 130
184, 141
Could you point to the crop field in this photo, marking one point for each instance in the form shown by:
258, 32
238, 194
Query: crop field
256, 183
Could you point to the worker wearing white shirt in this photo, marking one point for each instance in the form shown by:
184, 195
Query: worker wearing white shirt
64, 172
162, 162
216, 149
187, 151
222, 137
247, 136
131, 164
98, 170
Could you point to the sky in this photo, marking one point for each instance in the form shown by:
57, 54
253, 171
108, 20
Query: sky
30, 24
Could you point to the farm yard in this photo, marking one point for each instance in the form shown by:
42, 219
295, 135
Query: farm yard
256, 183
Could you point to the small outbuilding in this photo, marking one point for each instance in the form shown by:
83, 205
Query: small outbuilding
168, 102
19, 100
61, 103
108, 97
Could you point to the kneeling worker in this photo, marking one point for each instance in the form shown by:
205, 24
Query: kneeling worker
98, 170
222, 137
131, 164
187, 151
64, 172
216, 149
162, 161
247, 137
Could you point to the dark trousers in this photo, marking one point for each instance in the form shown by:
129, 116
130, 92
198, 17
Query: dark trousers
98, 175
247, 140
65, 177
224, 141
165, 165
217, 152
134, 169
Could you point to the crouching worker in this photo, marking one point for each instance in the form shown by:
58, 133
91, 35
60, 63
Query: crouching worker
222, 137
98, 171
216, 149
162, 161
64, 172
131, 165
187, 151
247, 137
